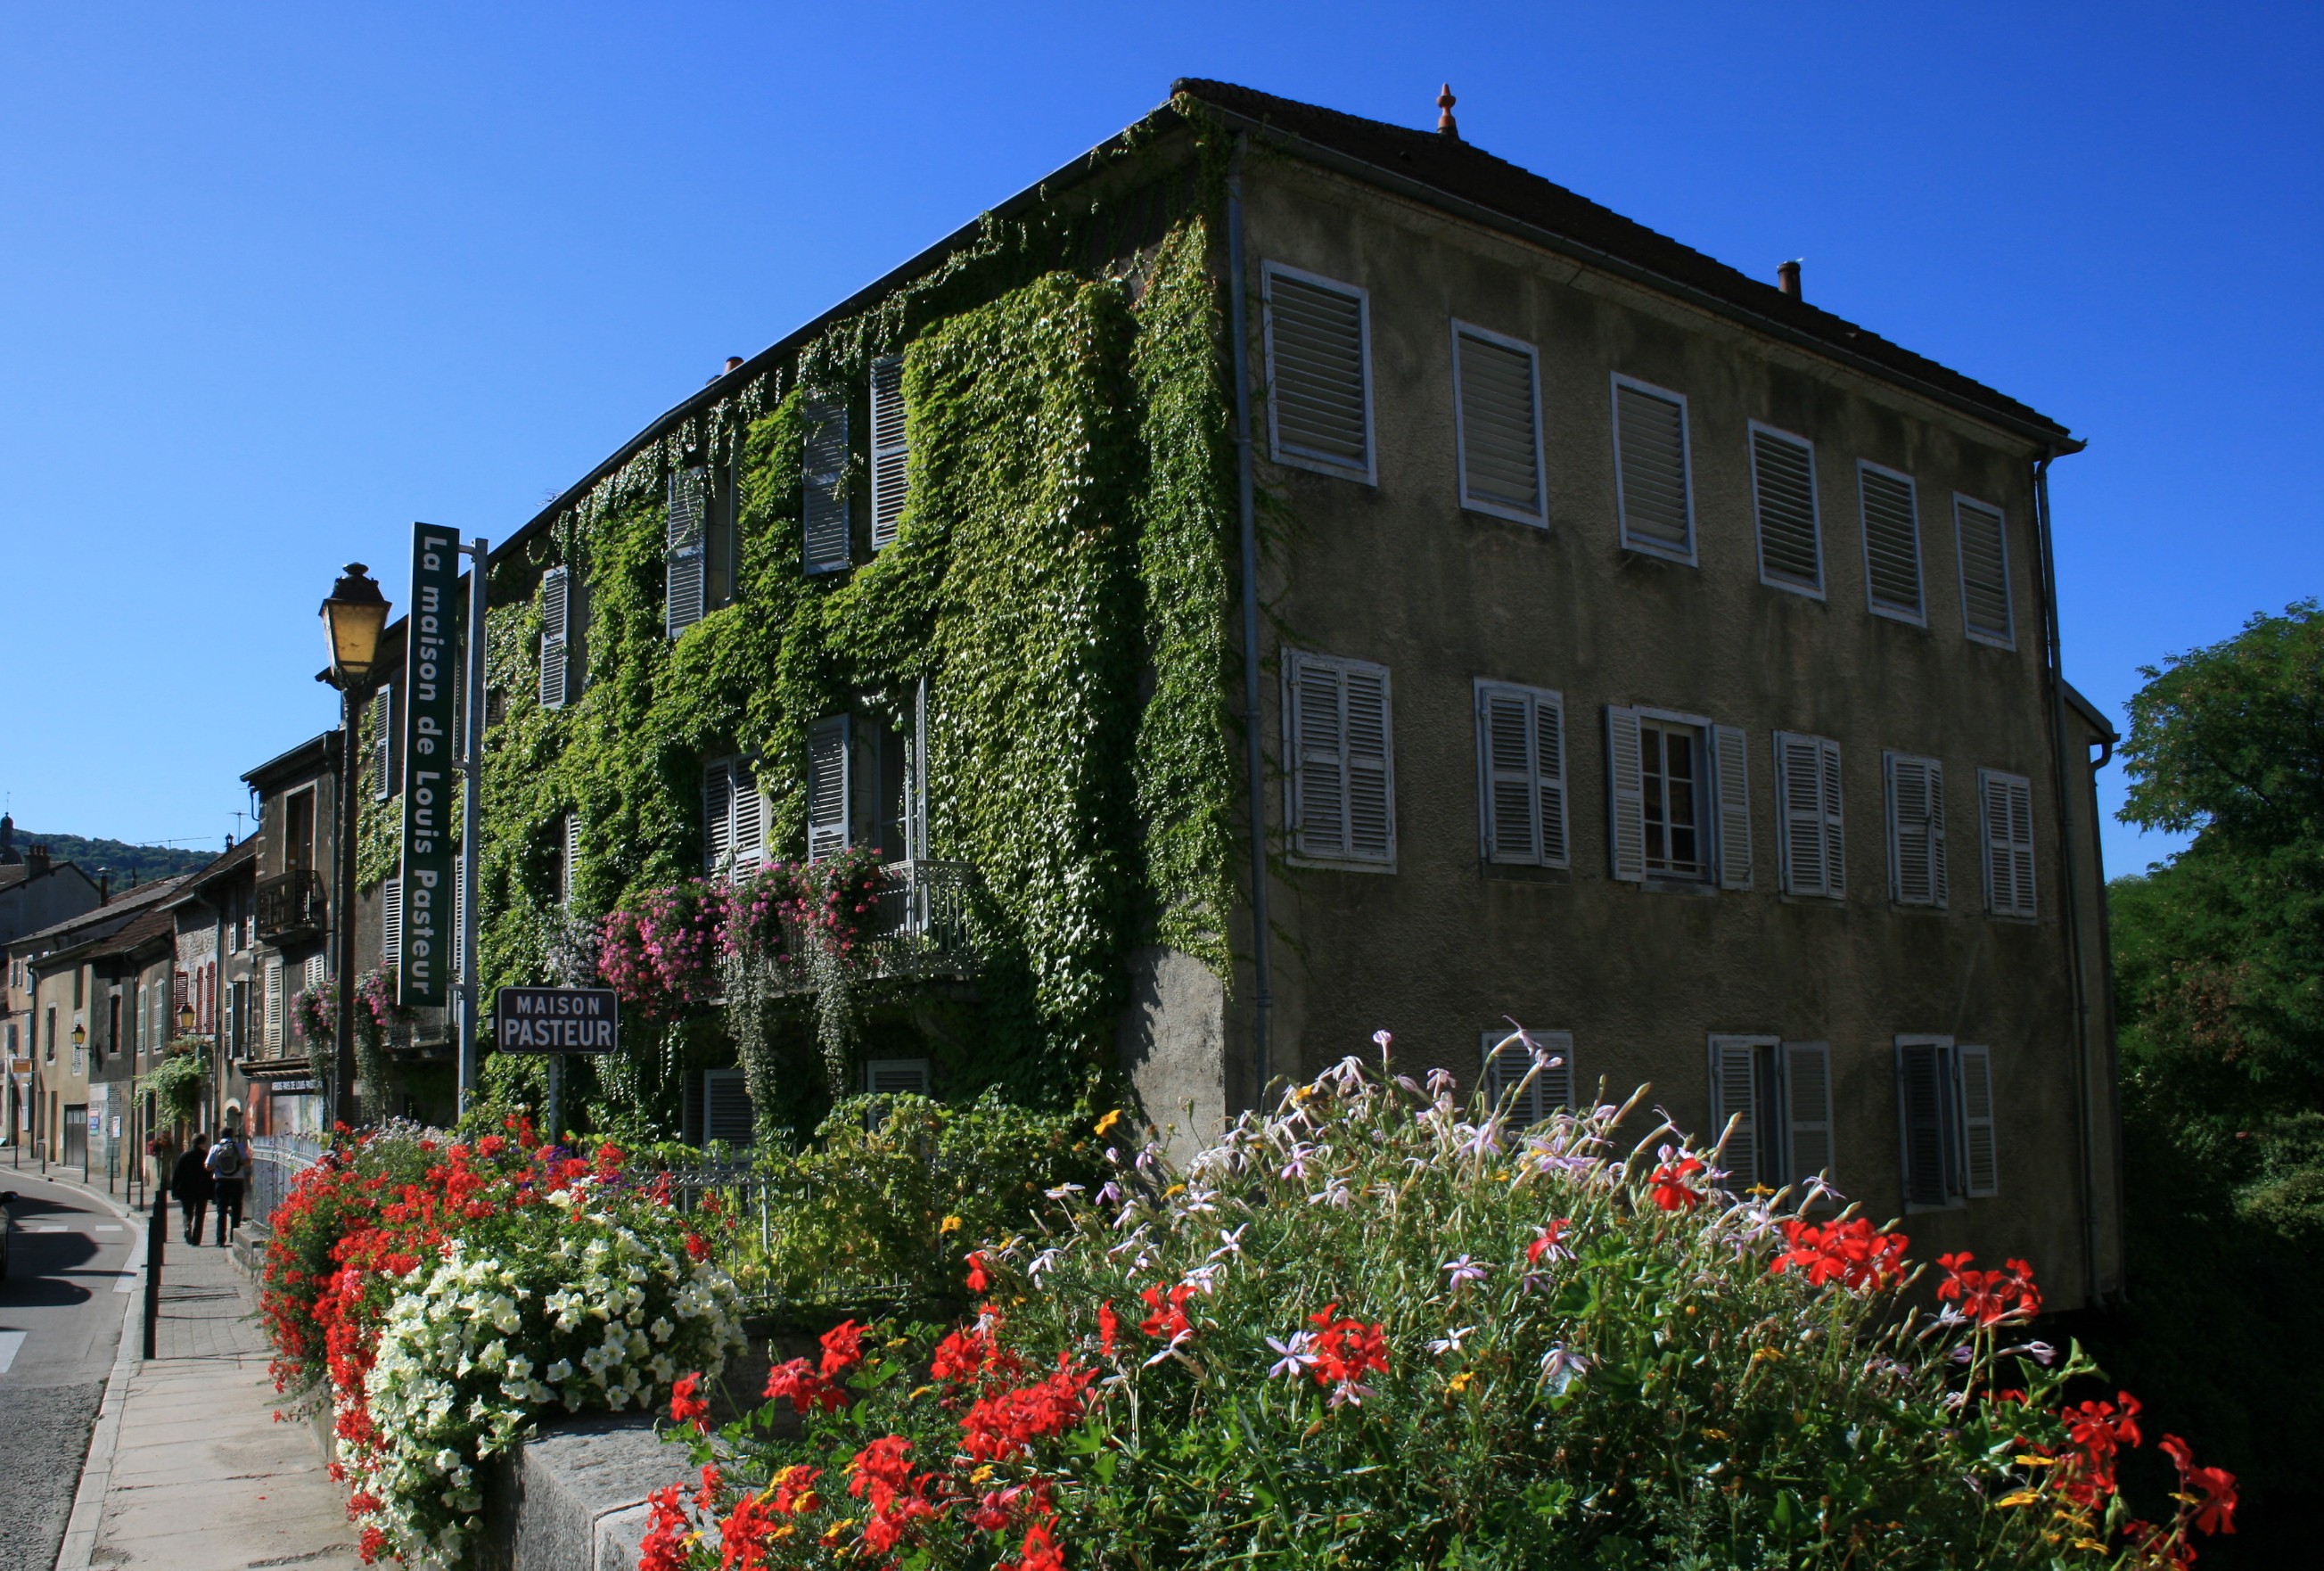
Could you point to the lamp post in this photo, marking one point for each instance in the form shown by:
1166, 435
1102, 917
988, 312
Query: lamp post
354, 615
81, 1064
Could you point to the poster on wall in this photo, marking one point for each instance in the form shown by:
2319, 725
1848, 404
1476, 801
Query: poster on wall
431, 675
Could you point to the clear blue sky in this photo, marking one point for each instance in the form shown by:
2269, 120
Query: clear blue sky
280, 279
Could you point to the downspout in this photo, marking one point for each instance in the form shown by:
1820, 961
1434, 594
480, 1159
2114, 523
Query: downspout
1254, 759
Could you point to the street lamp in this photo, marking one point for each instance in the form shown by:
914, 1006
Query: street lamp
354, 616
185, 1020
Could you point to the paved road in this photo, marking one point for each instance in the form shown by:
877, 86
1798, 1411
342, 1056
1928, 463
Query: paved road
60, 1322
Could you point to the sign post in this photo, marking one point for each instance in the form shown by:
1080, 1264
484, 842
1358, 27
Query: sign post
555, 1021
424, 963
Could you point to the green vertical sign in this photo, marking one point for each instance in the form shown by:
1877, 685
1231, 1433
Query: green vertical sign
431, 677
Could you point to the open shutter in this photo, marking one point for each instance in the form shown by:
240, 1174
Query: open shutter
1981, 1166
1498, 423
274, 1006
1800, 825
1513, 798
1916, 830
1922, 1089
1318, 398
1807, 1085
459, 936
391, 922
556, 626
749, 841
1734, 808
825, 506
889, 449
572, 859
2007, 812
1782, 486
1984, 572
1735, 1094
1652, 490
685, 551
1371, 773
1892, 542
1835, 839
1314, 722
718, 812
827, 750
1625, 796
383, 742
1549, 767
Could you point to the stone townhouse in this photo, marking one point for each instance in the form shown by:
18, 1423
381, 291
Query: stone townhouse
216, 914
287, 953
1575, 630
35, 892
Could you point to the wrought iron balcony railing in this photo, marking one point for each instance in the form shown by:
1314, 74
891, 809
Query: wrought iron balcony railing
290, 906
919, 926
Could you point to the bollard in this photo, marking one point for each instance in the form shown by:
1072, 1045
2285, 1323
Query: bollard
154, 1238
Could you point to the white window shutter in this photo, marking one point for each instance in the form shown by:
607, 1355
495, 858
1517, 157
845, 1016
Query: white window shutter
1980, 1162
458, 936
1734, 808
1807, 1086
1735, 1094
383, 742
1922, 1076
1799, 820
1497, 415
829, 746
1652, 491
1916, 830
896, 1077
1513, 797
1549, 763
1835, 838
749, 840
556, 626
1783, 487
890, 451
274, 1006
824, 508
572, 852
726, 1114
1313, 720
1625, 796
391, 922
718, 812
1892, 542
685, 551
1984, 572
1319, 394
1371, 773
2007, 804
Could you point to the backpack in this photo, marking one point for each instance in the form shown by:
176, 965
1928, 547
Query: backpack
226, 1159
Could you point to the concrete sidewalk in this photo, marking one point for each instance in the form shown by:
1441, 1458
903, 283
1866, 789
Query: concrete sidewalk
188, 1470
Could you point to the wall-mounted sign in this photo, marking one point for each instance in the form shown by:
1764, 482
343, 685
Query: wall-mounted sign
292, 1087
431, 676
556, 1020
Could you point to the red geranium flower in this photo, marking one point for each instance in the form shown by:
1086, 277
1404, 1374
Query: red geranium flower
1671, 1192
685, 1407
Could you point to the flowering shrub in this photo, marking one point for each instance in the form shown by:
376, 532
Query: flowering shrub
1373, 1329
314, 1012
662, 957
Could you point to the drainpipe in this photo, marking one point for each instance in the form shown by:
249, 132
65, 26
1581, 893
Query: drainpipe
1254, 760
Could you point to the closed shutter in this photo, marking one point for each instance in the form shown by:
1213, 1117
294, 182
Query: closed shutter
274, 1007
1734, 807
1521, 771
1497, 409
1652, 489
896, 1077
2007, 812
748, 843
318, 972
1507, 1062
1371, 782
1980, 1163
1735, 1091
718, 812
824, 505
556, 627
685, 551
1783, 491
1625, 796
1892, 542
391, 922
1807, 785
1922, 1076
383, 742
726, 1108
889, 449
458, 937
1916, 830
1807, 1089
1319, 394
827, 793
1984, 572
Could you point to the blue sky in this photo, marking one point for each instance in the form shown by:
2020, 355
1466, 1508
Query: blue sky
279, 280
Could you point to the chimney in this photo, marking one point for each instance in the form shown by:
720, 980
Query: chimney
36, 861
104, 886
733, 363
1787, 278
1444, 122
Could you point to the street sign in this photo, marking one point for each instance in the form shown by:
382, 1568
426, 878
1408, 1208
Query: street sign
431, 675
556, 1020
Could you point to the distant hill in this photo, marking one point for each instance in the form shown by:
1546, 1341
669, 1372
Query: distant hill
128, 864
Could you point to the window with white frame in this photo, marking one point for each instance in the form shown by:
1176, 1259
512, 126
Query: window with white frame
733, 814
1892, 542
827, 525
1984, 549
2005, 803
1678, 798
891, 449
685, 549
1318, 342
1771, 1101
1945, 1123
1916, 829
1340, 782
1809, 845
1497, 423
1531, 1073
1784, 498
1521, 775
1654, 487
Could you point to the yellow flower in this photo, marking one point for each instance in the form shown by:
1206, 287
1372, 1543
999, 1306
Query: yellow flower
1460, 1383
831, 1534
2022, 1497
1108, 1121
1715, 1435
984, 1474
1173, 1189
949, 1224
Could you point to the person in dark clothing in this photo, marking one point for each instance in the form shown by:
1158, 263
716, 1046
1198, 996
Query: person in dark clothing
190, 1182
229, 1166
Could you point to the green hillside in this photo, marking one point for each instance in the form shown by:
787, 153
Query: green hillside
129, 865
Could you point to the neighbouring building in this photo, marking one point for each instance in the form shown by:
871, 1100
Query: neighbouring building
35, 892
216, 913
1589, 635
285, 1069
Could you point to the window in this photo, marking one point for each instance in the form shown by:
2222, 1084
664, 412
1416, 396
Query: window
896, 1077
391, 922
382, 743
733, 815
274, 1007
686, 550
1652, 492
298, 831
555, 631
829, 751
1521, 775
459, 934
1771, 1103
1892, 542
568, 857
1916, 830
1784, 494
49, 1052
1945, 1122
1679, 799
719, 1108
1319, 406
823, 510
2007, 804
721, 554
1810, 847
238, 1018
1497, 423
1984, 572
1507, 1064
891, 448
1340, 785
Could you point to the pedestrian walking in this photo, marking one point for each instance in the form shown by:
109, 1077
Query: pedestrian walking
192, 1183
229, 1165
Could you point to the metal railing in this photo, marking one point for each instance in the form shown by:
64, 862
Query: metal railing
276, 1160
919, 926
290, 905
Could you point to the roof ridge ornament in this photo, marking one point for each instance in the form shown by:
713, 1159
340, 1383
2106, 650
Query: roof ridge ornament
1444, 122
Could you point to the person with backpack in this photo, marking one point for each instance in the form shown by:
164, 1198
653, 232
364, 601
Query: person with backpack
228, 1164
192, 1183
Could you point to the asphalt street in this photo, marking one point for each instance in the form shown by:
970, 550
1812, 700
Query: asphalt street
61, 1319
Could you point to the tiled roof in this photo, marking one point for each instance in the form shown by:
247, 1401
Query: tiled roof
94, 924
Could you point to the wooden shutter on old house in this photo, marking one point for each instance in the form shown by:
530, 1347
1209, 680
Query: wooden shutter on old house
1984, 572
1916, 830
2006, 810
1892, 542
1809, 845
555, 628
1497, 410
1783, 487
383, 742
829, 749
824, 509
889, 449
1319, 394
1734, 777
1736, 1088
684, 552
1980, 1157
1807, 1094
1653, 493
1923, 1085
1625, 796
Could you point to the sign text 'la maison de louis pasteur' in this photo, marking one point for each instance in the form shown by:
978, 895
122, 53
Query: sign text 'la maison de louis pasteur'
431, 676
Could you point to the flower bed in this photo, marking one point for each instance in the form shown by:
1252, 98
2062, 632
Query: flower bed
1372, 1329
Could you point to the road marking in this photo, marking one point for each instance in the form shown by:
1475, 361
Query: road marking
9, 1342
44, 1227
108, 1228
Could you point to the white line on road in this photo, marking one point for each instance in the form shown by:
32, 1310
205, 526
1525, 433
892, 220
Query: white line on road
45, 1227
108, 1228
9, 1342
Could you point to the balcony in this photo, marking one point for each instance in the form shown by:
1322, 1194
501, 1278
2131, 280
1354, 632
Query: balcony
917, 928
290, 907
